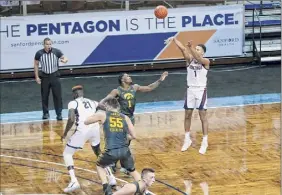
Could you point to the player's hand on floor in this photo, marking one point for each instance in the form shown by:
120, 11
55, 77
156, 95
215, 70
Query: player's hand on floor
167, 41
164, 75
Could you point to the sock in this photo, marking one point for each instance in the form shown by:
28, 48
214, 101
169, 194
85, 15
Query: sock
72, 175
205, 138
187, 135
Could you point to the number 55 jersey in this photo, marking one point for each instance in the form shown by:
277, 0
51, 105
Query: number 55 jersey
115, 131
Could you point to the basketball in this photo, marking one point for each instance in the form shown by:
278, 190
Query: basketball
161, 12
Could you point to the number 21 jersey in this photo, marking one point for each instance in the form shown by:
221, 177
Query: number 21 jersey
83, 109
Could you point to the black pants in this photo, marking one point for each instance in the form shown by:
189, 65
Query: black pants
51, 81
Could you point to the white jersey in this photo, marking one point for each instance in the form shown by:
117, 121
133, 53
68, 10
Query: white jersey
196, 74
83, 109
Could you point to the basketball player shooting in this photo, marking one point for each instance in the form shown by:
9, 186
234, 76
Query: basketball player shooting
196, 94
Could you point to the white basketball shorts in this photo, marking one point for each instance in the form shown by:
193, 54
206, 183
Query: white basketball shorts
81, 136
195, 98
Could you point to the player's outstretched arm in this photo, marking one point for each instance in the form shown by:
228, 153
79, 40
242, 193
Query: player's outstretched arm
152, 86
197, 56
97, 117
131, 130
128, 189
71, 120
181, 47
112, 94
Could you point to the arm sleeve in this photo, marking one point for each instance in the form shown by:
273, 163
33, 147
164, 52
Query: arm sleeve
58, 53
37, 56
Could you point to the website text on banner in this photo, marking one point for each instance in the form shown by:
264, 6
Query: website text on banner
119, 37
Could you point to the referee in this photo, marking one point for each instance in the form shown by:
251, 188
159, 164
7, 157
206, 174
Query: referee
49, 58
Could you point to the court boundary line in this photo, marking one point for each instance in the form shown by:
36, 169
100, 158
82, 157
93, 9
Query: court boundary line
47, 154
59, 164
50, 170
214, 107
139, 113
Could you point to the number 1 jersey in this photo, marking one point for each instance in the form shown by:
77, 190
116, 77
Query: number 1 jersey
196, 74
127, 100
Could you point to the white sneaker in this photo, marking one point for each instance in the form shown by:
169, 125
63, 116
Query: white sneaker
204, 147
72, 186
186, 145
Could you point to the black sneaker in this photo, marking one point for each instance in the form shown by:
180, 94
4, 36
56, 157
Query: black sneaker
59, 117
45, 116
107, 189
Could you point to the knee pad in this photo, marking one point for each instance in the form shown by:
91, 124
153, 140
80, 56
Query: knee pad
68, 153
68, 159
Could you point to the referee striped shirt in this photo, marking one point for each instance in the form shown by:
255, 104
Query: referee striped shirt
49, 61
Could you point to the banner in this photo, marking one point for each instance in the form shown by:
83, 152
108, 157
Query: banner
9, 3
122, 36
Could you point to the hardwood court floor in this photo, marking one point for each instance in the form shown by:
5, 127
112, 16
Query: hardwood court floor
243, 156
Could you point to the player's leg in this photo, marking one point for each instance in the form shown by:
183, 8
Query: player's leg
57, 96
104, 160
129, 138
68, 158
127, 162
75, 143
94, 138
45, 91
202, 106
189, 107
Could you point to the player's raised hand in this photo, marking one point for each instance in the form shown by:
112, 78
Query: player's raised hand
163, 76
189, 44
167, 41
